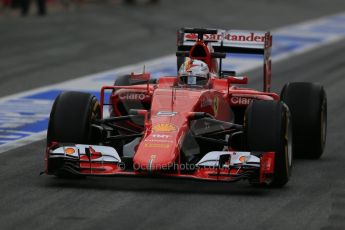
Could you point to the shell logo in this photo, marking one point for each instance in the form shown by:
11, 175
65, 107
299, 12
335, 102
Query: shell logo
69, 151
164, 127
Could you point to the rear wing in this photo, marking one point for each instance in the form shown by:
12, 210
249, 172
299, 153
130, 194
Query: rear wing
232, 41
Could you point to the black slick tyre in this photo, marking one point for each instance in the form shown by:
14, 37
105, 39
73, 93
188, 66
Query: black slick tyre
268, 128
71, 118
307, 103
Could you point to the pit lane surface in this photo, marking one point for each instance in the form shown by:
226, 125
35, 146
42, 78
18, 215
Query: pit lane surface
314, 199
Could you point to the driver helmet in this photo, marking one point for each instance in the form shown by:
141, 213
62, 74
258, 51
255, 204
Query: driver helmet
194, 73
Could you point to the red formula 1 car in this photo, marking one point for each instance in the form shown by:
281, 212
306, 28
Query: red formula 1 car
176, 127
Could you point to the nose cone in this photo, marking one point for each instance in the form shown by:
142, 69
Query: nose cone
157, 152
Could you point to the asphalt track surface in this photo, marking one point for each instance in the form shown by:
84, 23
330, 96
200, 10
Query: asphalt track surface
36, 51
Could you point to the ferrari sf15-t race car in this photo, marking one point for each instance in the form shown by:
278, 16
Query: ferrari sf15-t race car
176, 126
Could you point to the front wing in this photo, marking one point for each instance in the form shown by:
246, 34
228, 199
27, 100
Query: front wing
95, 160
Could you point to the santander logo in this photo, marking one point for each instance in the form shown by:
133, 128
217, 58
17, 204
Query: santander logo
191, 36
251, 37
246, 37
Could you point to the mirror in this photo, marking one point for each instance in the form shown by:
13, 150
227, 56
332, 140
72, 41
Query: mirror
238, 80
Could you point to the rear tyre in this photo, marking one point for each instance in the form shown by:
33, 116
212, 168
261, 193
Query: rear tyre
268, 128
71, 118
308, 106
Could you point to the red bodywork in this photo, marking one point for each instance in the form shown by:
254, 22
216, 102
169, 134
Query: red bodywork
215, 100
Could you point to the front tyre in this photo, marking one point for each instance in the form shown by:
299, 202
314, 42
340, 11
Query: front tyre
268, 128
71, 118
